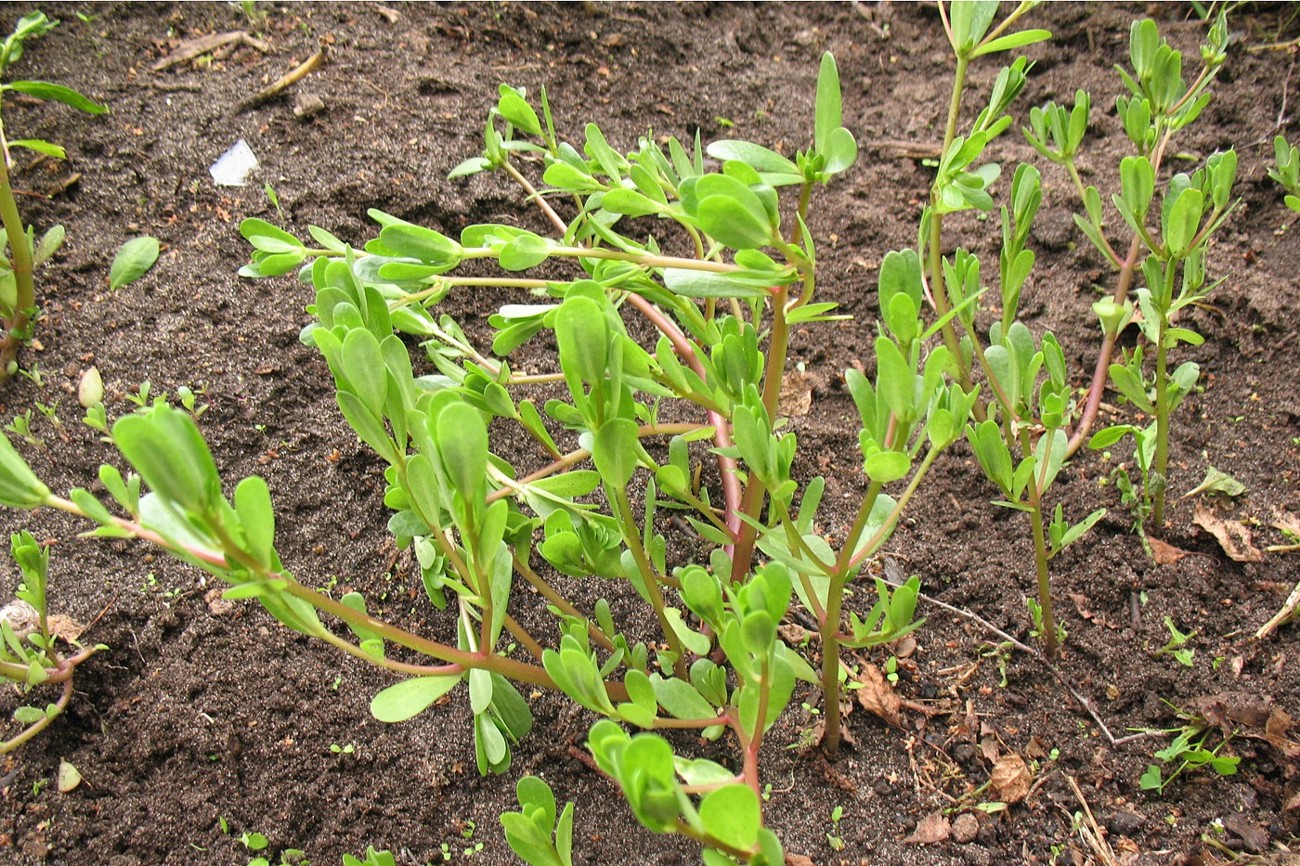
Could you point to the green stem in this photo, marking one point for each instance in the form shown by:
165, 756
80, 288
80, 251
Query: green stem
15, 328
887, 528
1160, 467
41, 724
1035, 494
829, 626
938, 289
627, 522
752, 505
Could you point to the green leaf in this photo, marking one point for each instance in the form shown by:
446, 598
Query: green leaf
583, 337
756, 156
827, 114
614, 451
58, 93
1182, 221
1151, 780
463, 447
731, 222
19, 486
732, 814
1012, 41
267, 238
516, 110
629, 202
48, 148
703, 284
256, 518
409, 698
1131, 387
167, 450
886, 466
895, 380
1217, 481
524, 251
132, 261
421, 244
681, 699
362, 364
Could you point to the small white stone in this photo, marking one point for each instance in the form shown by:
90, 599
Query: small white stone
235, 165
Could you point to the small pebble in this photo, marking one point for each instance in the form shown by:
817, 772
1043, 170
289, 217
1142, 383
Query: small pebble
307, 106
1125, 823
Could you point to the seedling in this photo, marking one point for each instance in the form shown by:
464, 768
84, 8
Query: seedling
1170, 257
29, 656
21, 426
1196, 745
1287, 170
833, 837
26, 253
374, 858
1177, 644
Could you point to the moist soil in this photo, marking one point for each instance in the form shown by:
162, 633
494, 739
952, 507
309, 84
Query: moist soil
205, 720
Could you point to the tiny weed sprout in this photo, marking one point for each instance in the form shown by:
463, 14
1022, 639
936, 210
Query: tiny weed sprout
1286, 172
1197, 744
29, 653
1177, 647
25, 252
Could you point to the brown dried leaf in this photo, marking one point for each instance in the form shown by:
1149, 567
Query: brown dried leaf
1286, 522
798, 860
989, 749
933, 828
65, 627
1232, 536
1011, 778
878, 697
1164, 553
1081, 605
796, 394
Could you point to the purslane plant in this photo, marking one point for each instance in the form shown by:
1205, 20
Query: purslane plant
1159, 105
1018, 435
477, 522
29, 655
1172, 252
25, 252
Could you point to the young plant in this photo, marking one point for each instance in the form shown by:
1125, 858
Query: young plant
959, 184
1019, 436
1196, 745
1192, 209
29, 656
477, 522
17, 284
1286, 173
1160, 104
1022, 444
1176, 647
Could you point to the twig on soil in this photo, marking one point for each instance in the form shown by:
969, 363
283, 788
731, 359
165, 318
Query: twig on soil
285, 82
892, 570
899, 149
1283, 616
205, 44
1089, 829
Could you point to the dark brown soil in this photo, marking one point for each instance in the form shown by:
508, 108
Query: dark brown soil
199, 718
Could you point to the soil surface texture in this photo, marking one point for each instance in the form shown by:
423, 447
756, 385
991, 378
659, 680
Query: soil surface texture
207, 720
